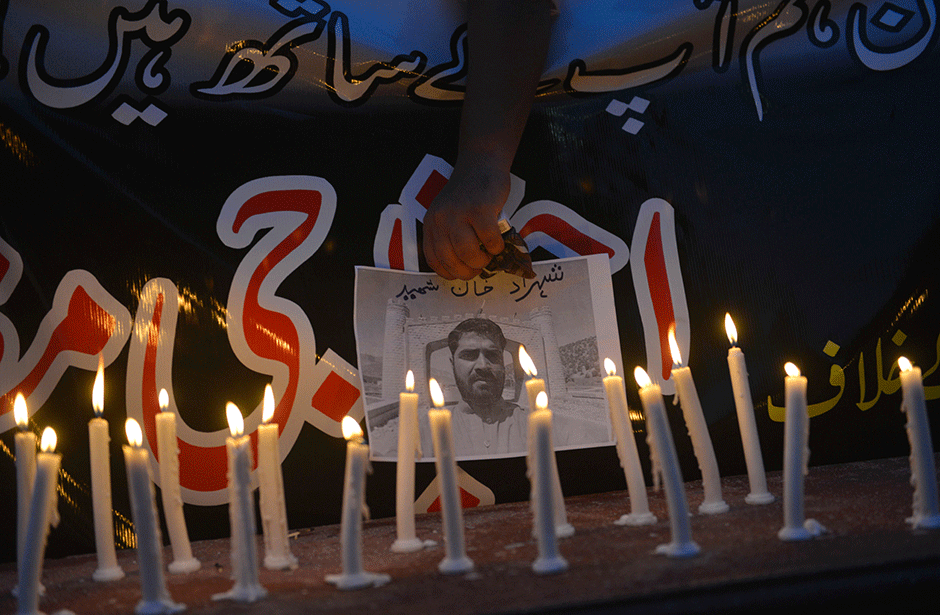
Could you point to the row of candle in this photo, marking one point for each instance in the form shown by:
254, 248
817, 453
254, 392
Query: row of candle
155, 598
36, 476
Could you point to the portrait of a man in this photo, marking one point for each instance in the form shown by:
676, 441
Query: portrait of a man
483, 420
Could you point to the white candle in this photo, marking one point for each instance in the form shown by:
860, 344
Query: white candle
100, 457
168, 450
25, 473
277, 555
241, 513
541, 451
354, 488
455, 560
409, 444
698, 432
664, 455
795, 458
746, 421
923, 471
533, 387
626, 449
42, 501
154, 595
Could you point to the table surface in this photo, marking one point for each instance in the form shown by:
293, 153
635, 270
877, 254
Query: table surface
869, 561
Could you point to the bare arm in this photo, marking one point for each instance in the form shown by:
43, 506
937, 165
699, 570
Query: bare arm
508, 42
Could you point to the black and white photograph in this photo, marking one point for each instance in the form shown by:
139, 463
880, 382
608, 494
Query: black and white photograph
467, 336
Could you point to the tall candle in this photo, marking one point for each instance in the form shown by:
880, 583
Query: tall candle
25, 473
698, 432
168, 450
746, 421
923, 471
241, 513
42, 501
626, 449
409, 444
154, 595
541, 451
277, 555
795, 458
664, 454
100, 456
455, 560
533, 387
354, 488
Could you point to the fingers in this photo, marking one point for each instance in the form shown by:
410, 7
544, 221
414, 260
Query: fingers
442, 257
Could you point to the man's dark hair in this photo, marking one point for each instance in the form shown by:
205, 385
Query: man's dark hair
481, 326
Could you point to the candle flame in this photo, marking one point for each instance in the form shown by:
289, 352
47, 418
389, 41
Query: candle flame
610, 367
164, 400
528, 366
731, 330
792, 370
20, 413
267, 412
97, 391
541, 400
905, 364
410, 381
236, 423
134, 436
674, 346
48, 442
351, 429
642, 378
437, 395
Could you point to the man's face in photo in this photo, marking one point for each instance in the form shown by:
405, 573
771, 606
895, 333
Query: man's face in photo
479, 369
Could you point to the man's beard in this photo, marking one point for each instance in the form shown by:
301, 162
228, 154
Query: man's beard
481, 388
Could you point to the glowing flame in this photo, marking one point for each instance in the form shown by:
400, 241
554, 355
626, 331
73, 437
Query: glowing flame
20, 413
674, 346
526, 362
437, 395
610, 367
48, 442
410, 381
731, 330
267, 412
164, 399
97, 391
792, 370
541, 400
903, 363
135, 437
642, 378
236, 424
351, 429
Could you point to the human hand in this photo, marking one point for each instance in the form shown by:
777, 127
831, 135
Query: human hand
461, 234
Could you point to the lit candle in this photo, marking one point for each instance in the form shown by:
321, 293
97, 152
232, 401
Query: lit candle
533, 387
746, 422
664, 456
698, 432
167, 448
923, 471
795, 458
455, 560
409, 444
626, 449
541, 451
42, 501
100, 454
241, 513
277, 555
154, 595
25, 473
354, 488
